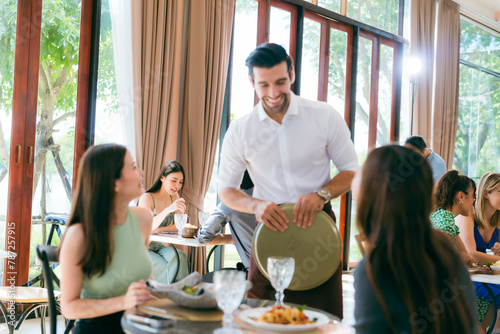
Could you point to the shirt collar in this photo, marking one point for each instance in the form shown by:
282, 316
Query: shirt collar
293, 108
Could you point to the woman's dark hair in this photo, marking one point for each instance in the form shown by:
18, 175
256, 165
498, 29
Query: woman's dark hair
394, 206
448, 186
268, 55
170, 167
93, 204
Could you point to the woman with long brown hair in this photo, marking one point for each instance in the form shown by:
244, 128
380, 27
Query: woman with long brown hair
103, 253
163, 199
411, 279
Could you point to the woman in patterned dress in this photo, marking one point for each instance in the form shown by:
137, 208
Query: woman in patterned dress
454, 195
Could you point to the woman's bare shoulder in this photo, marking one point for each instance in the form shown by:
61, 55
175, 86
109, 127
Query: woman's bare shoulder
144, 216
74, 238
146, 201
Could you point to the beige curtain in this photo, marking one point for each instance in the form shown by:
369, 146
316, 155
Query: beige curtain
209, 43
423, 15
447, 76
181, 57
157, 52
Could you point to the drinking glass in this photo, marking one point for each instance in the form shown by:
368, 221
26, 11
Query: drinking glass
202, 217
280, 271
229, 287
180, 220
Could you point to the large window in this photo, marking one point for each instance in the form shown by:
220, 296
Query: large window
478, 132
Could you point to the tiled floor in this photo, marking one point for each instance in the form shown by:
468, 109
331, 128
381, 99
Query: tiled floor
32, 326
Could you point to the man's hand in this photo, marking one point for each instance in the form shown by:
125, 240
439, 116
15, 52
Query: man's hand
271, 215
306, 208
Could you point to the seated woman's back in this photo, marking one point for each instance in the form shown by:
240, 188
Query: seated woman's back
411, 279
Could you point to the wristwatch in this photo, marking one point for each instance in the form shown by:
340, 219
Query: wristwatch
324, 194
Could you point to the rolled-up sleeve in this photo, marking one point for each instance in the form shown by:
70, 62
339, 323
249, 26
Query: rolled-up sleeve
232, 163
217, 220
340, 146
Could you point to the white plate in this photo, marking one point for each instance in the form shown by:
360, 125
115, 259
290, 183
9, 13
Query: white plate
496, 268
247, 316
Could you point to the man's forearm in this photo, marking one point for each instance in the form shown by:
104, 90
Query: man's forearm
237, 200
340, 184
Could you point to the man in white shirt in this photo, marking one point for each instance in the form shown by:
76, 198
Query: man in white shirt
286, 143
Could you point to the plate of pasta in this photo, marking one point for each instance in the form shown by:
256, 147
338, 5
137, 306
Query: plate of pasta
288, 319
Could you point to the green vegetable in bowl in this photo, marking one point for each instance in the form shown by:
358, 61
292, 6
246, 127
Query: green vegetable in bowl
193, 291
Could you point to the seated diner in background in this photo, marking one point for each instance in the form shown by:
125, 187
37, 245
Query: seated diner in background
400, 283
479, 230
103, 253
242, 224
438, 166
454, 195
163, 199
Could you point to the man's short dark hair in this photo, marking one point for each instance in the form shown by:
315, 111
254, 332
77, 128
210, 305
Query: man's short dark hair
416, 141
268, 55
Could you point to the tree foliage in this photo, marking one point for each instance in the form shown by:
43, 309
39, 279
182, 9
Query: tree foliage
57, 86
478, 131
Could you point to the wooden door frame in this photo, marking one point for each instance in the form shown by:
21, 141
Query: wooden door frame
23, 130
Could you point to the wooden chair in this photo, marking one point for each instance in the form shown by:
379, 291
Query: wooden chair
47, 254
15, 295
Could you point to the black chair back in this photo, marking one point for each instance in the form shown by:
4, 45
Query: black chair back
47, 254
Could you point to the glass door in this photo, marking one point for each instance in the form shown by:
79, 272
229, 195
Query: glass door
55, 118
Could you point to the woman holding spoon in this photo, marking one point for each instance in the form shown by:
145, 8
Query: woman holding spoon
163, 199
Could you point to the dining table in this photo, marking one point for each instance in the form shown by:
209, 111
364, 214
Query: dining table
491, 277
173, 239
334, 324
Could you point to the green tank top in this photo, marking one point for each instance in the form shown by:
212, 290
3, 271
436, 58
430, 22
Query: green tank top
130, 263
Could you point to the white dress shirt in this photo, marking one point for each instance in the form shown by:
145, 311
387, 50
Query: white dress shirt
288, 160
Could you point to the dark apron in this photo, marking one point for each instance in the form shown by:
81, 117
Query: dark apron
326, 297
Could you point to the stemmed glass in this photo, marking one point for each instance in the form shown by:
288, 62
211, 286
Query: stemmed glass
202, 217
280, 271
229, 287
180, 220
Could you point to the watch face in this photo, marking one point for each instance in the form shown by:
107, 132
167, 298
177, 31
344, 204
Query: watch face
324, 193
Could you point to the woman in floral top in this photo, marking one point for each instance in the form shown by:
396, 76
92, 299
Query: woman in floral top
454, 195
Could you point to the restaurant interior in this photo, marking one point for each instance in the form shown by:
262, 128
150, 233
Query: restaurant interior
166, 79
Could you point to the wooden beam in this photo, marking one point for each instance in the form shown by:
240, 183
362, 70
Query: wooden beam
24, 107
84, 75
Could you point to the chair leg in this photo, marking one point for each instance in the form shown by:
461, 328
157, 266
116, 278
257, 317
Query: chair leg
69, 326
10, 324
42, 319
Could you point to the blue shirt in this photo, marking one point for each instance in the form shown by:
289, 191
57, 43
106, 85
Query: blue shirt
242, 227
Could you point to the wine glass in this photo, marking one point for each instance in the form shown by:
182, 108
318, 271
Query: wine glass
202, 217
229, 287
180, 220
280, 271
